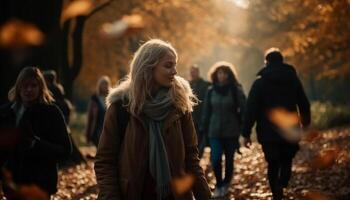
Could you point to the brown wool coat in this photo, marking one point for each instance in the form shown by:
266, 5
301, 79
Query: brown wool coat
121, 165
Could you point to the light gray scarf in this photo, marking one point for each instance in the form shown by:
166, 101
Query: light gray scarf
156, 111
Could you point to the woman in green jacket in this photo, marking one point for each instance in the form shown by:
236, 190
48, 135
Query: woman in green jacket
224, 105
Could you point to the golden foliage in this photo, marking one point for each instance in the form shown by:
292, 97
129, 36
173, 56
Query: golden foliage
314, 34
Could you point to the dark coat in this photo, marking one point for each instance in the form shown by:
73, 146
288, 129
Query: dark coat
36, 163
60, 100
96, 113
276, 86
199, 88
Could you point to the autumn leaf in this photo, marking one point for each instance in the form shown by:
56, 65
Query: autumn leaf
129, 24
18, 34
287, 121
326, 158
77, 8
283, 118
183, 184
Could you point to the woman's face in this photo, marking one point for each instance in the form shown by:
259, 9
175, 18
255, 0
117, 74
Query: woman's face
29, 92
104, 88
222, 76
165, 71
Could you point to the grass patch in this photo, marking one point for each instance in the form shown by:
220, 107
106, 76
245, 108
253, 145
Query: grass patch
327, 115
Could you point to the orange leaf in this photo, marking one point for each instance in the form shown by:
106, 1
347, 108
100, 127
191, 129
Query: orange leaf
19, 34
129, 24
326, 158
77, 8
183, 184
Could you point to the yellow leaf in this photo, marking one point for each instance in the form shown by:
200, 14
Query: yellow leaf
77, 8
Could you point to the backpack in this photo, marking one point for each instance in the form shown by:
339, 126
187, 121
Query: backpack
123, 117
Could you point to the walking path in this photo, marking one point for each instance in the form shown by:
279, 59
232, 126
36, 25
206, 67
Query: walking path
321, 171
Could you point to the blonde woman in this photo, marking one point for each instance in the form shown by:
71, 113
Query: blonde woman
97, 109
42, 138
140, 158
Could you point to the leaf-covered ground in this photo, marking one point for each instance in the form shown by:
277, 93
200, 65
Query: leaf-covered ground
321, 171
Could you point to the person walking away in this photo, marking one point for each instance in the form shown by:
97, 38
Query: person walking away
277, 87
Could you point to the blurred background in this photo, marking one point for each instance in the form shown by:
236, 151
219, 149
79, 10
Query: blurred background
85, 39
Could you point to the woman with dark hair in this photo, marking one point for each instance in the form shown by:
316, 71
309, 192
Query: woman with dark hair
223, 108
42, 138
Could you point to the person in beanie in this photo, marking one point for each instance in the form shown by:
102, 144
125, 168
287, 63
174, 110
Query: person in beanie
148, 138
277, 87
199, 87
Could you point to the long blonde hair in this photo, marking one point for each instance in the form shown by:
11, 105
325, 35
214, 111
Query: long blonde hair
30, 73
138, 83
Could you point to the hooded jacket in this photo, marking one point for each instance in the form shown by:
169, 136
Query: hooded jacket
277, 86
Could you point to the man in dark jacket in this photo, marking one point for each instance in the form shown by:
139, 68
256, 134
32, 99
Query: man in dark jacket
277, 87
199, 87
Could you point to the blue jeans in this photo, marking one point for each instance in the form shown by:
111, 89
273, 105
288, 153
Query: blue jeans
218, 147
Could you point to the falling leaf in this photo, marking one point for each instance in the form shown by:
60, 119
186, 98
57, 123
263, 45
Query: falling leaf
288, 123
183, 184
284, 118
77, 8
129, 24
18, 34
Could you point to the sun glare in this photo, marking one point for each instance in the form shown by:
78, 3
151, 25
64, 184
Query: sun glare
241, 3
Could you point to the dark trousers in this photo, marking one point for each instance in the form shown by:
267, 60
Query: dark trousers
219, 146
279, 157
